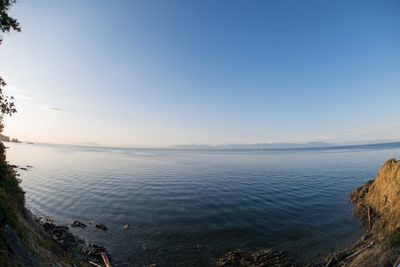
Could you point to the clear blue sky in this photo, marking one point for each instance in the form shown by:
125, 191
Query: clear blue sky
156, 73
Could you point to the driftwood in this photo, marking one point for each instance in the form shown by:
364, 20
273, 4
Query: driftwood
358, 252
329, 263
105, 259
95, 264
354, 254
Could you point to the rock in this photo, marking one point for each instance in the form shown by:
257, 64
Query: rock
258, 258
62, 235
101, 226
359, 194
93, 253
377, 204
78, 224
384, 197
73, 244
381, 198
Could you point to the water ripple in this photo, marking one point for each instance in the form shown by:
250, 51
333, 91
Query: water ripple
188, 207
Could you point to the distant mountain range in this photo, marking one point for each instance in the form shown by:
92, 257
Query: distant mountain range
257, 146
287, 145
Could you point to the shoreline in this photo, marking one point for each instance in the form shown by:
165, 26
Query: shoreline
61, 246
25, 240
83, 249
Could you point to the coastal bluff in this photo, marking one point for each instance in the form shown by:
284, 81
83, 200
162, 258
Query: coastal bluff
384, 198
377, 205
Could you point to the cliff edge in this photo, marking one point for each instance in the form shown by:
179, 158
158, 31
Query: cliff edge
377, 205
384, 198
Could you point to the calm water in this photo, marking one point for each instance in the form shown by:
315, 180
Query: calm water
188, 207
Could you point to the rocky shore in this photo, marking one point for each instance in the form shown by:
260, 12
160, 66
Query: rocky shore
29, 241
377, 205
265, 257
79, 248
49, 245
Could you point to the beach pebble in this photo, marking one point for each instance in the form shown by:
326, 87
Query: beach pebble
78, 224
101, 226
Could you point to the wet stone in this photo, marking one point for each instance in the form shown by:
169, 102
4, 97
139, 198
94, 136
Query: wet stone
101, 226
259, 258
78, 224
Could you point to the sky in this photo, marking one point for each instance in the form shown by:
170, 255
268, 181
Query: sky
160, 73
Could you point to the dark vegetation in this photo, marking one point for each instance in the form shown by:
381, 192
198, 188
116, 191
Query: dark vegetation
11, 200
11, 194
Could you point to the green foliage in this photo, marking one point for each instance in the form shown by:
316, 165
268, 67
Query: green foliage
7, 107
7, 23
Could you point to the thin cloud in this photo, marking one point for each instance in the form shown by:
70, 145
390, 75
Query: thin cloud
357, 133
51, 109
20, 94
25, 97
11, 88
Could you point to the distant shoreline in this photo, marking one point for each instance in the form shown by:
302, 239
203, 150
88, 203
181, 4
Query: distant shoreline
225, 148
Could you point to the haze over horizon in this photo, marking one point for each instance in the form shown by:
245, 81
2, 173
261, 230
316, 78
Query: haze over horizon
154, 73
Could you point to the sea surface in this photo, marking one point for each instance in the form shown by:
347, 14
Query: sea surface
189, 207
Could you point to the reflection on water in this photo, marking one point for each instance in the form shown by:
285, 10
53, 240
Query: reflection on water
189, 207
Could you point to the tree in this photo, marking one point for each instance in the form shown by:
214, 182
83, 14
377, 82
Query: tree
7, 24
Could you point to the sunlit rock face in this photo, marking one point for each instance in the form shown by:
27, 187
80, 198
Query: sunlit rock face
384, 197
